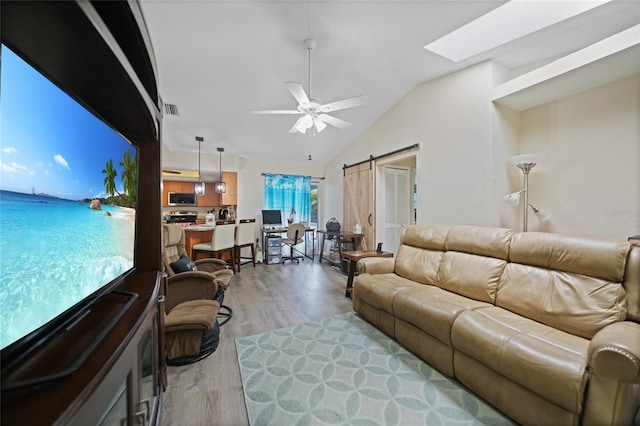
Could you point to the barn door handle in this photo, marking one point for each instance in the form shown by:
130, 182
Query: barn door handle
369, 219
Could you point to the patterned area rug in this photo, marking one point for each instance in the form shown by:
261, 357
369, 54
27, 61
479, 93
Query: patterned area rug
342, 370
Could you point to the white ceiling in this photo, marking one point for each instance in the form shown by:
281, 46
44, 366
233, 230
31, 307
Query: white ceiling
218, 60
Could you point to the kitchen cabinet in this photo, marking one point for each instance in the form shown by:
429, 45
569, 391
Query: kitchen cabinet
210, 198
230, 197
174, 186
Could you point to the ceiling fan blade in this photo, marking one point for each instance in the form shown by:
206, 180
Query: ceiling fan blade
341, 124
276, 111
298, 92
320, 126
343, 104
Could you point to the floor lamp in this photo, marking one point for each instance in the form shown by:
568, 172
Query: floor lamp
526, 162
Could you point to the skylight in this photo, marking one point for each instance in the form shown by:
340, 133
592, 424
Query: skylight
511, 21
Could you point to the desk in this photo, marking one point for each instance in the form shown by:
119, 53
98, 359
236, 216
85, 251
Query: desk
266, 232
353, 257
341, 237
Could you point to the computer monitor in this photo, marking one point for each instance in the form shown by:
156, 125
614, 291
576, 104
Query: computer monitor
271, 218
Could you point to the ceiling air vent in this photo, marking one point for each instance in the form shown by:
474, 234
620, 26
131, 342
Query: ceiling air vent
170, 109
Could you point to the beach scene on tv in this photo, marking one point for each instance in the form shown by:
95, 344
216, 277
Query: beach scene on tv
67, 201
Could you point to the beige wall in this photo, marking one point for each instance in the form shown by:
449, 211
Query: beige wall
251, 182
590, 178
451, 119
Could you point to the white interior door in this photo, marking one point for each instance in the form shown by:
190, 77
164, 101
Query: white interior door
397, 205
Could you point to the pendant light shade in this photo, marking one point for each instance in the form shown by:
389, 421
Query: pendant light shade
199, 186
220, 186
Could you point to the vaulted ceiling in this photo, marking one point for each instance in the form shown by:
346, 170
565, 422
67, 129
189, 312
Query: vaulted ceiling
219, 60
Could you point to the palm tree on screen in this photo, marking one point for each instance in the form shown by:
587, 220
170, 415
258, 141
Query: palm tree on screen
109, 179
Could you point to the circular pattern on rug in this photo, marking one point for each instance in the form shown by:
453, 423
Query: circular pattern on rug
344, 371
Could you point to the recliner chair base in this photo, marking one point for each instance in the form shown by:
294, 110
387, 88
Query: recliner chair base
210, 340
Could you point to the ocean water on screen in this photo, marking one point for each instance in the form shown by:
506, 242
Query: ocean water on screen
54, 253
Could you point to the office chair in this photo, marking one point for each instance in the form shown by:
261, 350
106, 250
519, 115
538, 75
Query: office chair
295, 234
245, 237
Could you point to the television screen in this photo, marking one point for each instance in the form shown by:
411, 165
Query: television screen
67, 202
271, 217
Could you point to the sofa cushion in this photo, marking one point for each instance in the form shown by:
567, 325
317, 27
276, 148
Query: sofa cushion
432, 309
483, 241
416, 264
379, 290
540, 358
574, 303
603, 259
430, 237
420, 252
470, 275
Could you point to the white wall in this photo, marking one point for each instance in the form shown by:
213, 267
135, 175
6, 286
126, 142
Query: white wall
590, 178
251, 182
451, 119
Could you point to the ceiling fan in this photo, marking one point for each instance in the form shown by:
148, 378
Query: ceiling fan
314, 112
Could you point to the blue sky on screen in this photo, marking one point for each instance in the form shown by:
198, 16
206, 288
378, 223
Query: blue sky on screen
48, 142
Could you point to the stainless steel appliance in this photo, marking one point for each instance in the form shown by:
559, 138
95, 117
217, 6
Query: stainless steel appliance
223, 214
182, 199
182, 217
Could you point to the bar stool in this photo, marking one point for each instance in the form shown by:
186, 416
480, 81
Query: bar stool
223, 241
245, 237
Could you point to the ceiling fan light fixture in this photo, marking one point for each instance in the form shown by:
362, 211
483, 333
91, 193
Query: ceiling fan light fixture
314, 113
305, 122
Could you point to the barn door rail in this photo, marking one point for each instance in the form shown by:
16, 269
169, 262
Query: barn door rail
371, 158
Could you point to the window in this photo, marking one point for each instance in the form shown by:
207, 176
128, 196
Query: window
314, 205
291, 194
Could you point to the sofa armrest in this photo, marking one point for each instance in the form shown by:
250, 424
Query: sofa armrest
614, 375
190, 286
379, 265
614, 352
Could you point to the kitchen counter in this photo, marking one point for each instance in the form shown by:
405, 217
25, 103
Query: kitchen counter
199, 228
196, 234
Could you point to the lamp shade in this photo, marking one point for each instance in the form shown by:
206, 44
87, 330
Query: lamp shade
526, 158
198, 188
512, 199
220, 187
304, 123
541, 214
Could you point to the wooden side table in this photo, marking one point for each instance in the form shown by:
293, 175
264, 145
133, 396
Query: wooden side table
353, 257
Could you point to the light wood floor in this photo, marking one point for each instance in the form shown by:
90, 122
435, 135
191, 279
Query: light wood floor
264, 298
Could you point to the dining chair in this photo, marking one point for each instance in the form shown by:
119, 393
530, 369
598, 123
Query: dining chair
245, 237
222, 241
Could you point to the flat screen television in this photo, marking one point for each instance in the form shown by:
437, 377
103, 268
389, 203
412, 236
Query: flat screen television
271, 218
67, 205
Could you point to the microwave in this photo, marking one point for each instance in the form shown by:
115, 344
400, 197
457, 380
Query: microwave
182, 199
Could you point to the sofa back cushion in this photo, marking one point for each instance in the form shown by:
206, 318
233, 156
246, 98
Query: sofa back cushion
420, 252
569, 283
474, 260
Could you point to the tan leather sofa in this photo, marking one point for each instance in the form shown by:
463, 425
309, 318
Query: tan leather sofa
545, 327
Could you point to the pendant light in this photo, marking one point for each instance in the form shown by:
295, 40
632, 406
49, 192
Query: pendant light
220, 186
199, 186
